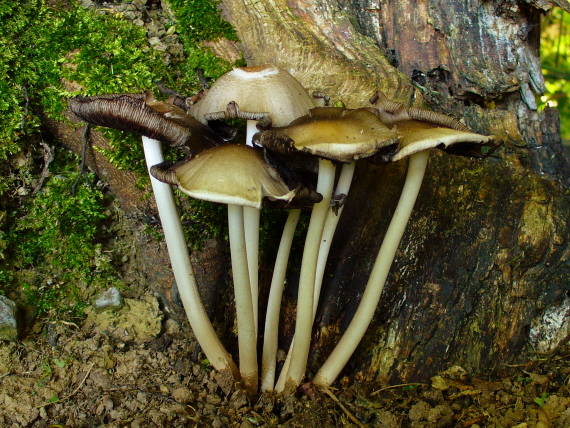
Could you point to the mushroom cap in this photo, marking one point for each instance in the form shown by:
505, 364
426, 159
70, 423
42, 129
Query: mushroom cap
143, 115
417, 136
230, 174
263, 88
333, 133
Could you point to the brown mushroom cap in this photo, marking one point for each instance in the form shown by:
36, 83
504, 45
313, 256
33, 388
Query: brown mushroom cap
417, 136
264, 88
229, 174
333, 133
143, 115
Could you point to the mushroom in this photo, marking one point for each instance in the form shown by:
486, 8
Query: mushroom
330, 133
417, 139
146, 116
238, 176
130, 112
254, 93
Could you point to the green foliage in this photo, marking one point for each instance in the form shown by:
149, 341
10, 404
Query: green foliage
202, 220
555, 53
104, 54
540, 401
200, 20
53, 245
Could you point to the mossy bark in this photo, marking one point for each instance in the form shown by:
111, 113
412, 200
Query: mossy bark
485, 257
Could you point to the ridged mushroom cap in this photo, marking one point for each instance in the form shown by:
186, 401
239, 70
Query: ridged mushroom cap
333, 133
263, 88
417, 136
229, 174
144, 115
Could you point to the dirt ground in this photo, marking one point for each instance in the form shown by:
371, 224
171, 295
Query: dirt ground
137, 367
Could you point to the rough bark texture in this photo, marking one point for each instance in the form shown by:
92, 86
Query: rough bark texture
482, 277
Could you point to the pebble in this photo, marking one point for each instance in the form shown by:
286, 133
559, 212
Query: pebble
8, 324
109, 299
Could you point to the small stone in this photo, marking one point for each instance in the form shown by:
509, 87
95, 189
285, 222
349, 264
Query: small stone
109, 299
182, 395
8, 325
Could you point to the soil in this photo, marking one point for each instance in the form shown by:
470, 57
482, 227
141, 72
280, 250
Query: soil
137, 367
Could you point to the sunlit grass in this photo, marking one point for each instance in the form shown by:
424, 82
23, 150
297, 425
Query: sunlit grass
555, 53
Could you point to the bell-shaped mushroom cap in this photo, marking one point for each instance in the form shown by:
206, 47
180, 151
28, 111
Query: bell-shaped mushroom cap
143, 115
333, 133
229, 174
417, 136
263, 88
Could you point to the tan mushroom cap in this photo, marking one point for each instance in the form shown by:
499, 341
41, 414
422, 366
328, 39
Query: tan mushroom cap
264, 88
333, 133
231, 174
417, 136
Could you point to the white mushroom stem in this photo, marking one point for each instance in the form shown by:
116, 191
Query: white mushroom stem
251, 128
304, 320
178, 251
247, 338
251, 228
365, 312
342, 187
270, 336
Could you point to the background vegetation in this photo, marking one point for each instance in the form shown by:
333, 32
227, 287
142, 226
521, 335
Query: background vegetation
555, 52
52, 242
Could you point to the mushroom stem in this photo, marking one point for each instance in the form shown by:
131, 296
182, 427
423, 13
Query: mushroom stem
251, 129
274, 302
178, 251
251, 230
342, 187
304, 321
369, 301
244, 312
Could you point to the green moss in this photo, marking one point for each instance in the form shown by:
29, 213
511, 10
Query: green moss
54, 244
51, 244
103, 53
200, 20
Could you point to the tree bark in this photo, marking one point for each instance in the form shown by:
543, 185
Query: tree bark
482, 276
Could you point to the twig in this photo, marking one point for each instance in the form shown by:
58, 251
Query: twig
378, 391
343, 407
67, 397
48, 158
67, 323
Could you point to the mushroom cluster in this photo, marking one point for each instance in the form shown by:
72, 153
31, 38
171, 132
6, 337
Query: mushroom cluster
287, 138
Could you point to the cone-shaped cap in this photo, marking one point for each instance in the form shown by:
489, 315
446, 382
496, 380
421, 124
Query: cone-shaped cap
264, 88
229, 174
332, 133
417, 136
143, 115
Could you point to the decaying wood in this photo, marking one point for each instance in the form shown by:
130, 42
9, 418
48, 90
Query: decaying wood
485, 257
